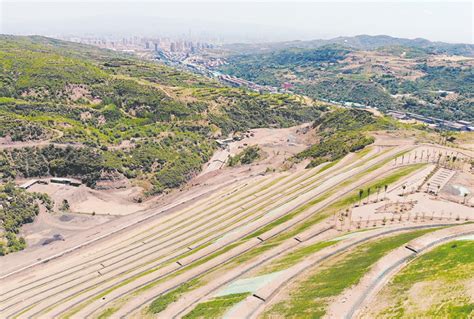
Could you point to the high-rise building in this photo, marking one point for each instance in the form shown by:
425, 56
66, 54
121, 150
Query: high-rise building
173, 47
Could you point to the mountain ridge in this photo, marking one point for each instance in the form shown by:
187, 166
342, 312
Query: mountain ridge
363, 42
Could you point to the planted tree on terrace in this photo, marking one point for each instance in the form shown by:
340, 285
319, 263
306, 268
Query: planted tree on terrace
361, 192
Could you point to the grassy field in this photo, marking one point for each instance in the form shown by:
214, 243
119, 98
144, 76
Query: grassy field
443, 278
310, 296
216, 307
296, 256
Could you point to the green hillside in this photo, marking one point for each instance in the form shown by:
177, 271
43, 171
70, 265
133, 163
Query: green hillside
342, 131
412, 78
98, 100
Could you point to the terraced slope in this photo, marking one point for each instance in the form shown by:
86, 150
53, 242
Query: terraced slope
446, 278
122, 274
234, 248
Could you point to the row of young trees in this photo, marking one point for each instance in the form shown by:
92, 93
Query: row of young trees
378, 189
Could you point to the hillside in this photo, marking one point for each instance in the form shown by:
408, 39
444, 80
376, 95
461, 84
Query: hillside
97, 101
391, 74
342, 131
114, 121
327, 218
360, 42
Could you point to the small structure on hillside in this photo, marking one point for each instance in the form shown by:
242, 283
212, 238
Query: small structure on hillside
32, 182
224, 142
65, 181
28, 184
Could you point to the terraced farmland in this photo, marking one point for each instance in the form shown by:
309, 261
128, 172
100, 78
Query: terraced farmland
177, 261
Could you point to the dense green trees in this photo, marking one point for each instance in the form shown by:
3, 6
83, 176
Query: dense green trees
247, 156
342, 131
331, 73
17, 207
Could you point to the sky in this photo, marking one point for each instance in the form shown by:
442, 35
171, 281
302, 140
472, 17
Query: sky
241, 21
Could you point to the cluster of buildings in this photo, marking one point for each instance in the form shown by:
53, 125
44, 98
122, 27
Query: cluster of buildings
207, 62
433, 121
135, 43
175, 46
238, 82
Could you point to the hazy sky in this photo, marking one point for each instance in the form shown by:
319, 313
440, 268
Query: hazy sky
449, 21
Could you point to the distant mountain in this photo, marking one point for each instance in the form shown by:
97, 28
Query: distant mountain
380, 71
360, 42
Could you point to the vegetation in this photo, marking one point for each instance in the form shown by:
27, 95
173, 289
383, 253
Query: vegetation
342, 131
399, 75
119, 115
215, 307
249, 155
160, 304
313, 293
261, 68
17, 207
419, 46
296, 256
442, 273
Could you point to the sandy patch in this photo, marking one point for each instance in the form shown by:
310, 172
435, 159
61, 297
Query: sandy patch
469, 285
83, 199
422, 291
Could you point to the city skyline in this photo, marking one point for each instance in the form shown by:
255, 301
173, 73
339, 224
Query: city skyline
232, 21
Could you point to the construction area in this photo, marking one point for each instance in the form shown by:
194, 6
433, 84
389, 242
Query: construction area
249, 242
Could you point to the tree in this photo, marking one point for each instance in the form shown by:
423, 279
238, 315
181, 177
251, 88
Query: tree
361, 192
385, 189
368, 195
65, 205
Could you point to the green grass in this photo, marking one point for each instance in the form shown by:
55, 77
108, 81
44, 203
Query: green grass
9, 100
296, 256
329, 165
106, 313
444, 274
363, 152
216, 307
165, 300
311, 295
